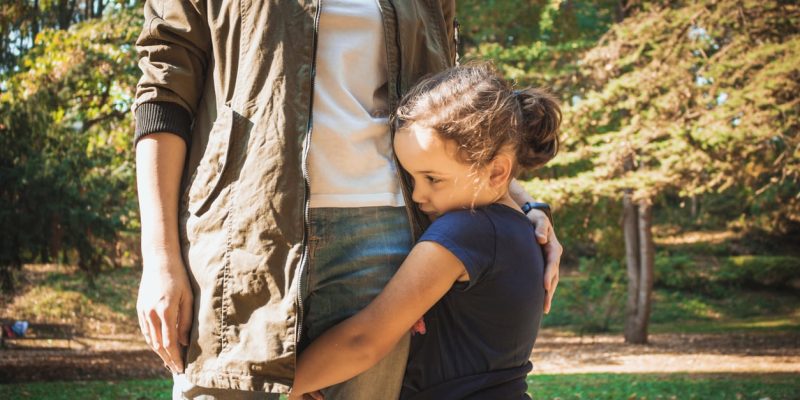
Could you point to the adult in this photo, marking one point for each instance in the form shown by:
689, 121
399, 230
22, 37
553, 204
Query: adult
258, 235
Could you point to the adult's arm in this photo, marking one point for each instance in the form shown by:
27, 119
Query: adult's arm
164, 303
359, 342
546, 236
173, 50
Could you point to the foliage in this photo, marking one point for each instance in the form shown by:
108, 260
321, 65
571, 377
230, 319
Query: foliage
521, 22
591, 302
734, 310
22, 20
580, 306
714, 274
703, 97
66, 176
764, 271
541, 41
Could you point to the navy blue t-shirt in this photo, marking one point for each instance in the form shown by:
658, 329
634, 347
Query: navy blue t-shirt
480, 334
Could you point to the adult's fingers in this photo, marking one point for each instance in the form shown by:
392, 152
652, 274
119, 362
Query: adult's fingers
548, 301
154, 324
143, 327
543, 231
553, 250
169, 337
185, 320
543, 228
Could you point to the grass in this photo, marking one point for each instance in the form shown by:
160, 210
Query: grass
121, 390
726, 310
52, 293
565, 387
60, 294
738, 311
664, 386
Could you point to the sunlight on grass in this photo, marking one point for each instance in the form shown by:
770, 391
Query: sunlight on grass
736, 326
61, 294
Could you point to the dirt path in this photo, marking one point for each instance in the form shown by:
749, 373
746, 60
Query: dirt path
125, 357
693, 353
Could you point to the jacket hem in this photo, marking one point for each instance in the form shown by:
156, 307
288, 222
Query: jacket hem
222, 380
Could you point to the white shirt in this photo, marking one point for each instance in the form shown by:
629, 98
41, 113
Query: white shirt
350, 159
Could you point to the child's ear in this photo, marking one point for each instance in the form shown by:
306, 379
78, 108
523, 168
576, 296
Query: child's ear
500, 170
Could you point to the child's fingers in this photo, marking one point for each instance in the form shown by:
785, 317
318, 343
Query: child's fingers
317, 395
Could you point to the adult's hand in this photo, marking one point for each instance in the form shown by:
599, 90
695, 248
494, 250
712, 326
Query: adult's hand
546, 236
164, 307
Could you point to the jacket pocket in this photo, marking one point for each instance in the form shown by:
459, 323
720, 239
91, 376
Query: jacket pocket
205, 186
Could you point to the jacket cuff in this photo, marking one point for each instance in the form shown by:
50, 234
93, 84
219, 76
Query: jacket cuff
162, 117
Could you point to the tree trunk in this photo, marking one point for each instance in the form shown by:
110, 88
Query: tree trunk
630, 227
646, 260
6, 279
640, 254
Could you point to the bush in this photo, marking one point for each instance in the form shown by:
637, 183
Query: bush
593, 301
712, 275
760, 271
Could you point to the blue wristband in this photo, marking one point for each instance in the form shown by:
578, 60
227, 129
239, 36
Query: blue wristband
528, 206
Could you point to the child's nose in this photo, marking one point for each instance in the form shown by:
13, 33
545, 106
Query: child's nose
417, 195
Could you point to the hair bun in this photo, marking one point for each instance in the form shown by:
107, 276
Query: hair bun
541, 119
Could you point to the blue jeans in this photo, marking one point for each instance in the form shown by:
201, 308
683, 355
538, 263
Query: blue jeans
353, 254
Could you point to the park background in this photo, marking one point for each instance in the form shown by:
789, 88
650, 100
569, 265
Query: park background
676, 195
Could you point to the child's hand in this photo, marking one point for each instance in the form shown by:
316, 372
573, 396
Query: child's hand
419, 327
316, 395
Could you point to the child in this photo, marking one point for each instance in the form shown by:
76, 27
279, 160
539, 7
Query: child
475, 275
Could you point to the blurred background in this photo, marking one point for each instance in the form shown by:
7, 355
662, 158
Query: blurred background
676, 195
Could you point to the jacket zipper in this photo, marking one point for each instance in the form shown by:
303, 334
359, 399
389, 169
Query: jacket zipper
414, 231
306, 182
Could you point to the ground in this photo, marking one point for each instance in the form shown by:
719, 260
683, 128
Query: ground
126, 356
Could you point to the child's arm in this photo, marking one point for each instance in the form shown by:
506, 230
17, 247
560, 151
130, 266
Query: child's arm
358, 343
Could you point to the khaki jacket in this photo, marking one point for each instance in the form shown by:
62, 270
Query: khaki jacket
235, 79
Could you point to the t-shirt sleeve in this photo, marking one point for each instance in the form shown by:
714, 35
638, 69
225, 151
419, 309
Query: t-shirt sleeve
470, 236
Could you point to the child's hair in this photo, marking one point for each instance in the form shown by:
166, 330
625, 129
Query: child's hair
475, 107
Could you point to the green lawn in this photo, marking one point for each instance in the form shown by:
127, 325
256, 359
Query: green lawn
665, 386
578, 386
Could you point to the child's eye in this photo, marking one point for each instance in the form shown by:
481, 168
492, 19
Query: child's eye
432, 179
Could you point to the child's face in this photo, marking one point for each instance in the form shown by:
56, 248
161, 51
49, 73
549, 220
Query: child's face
441, 182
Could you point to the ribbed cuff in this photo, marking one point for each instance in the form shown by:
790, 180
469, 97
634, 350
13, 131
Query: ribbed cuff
162, 117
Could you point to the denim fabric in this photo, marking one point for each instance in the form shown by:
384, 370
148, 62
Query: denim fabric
353, 254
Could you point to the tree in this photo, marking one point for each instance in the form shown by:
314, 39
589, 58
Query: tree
684, 98
66, 171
